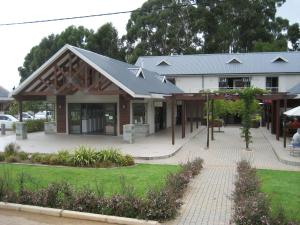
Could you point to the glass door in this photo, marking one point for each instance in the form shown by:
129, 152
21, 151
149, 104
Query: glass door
75, 118
110, 119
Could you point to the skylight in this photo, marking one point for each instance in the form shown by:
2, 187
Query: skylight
234, 61
279, 59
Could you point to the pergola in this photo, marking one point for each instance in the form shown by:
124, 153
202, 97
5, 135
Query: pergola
191, 103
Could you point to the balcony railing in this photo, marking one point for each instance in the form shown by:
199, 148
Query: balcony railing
272, 89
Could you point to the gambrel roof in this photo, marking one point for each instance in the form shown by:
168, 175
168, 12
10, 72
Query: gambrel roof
214, 64
118, 72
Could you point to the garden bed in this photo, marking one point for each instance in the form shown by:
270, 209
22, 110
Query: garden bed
83, 156
252, 206
142, 191
140, 176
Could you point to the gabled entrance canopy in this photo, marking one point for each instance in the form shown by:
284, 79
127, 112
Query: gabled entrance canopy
73, 69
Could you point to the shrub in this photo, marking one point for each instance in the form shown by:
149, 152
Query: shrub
34, 125
85, 156
112, 155
251, 206
36, 158
127, 160
159, 204
64, 158
2, 157
23, 155
11, 149
12, 159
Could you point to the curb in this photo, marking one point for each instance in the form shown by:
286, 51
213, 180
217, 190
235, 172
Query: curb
281, 159
173, 153
74, 214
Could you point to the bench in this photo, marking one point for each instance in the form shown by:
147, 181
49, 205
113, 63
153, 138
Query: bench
216, 123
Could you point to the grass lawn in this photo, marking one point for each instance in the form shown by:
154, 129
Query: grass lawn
283, 189
141, 176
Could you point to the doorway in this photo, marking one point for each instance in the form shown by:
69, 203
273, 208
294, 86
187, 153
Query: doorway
91, 118
160, 116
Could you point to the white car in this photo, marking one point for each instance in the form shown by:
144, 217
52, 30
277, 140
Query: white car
25, 116
8, 120
42, 115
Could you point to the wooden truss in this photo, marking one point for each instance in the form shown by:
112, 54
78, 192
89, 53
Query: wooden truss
66, 76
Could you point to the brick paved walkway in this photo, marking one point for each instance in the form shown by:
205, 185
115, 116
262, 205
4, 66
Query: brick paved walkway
207, 200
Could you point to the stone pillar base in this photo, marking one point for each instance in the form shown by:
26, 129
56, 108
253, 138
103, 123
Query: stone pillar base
21, 131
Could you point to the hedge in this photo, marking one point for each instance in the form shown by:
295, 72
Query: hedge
159, 204
251, 206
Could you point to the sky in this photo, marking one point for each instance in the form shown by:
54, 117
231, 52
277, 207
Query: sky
16, 41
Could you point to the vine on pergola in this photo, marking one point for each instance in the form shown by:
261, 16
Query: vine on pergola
248, 96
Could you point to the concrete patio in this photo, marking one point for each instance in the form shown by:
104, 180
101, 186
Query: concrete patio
152, 147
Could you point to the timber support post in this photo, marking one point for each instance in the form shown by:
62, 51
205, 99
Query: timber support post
183, 118
207, 120
173, 119
212, 119
20, 110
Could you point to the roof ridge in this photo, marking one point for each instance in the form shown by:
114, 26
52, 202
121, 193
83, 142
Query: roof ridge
230, 54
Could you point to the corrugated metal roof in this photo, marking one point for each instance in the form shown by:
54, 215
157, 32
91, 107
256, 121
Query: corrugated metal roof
121, 71
3, 92
118, 72
295, 90
251, 63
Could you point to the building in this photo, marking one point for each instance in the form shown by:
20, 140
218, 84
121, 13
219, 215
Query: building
274, 71
94, 94
4, 99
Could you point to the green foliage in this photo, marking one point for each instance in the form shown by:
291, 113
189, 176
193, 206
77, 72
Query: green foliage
12, 159
35, 125
282, 189
2, 157
252, 206
104, 41
11, 149
85, 156
23, 155
247, 95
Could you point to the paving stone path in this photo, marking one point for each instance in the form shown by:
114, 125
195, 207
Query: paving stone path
207, 200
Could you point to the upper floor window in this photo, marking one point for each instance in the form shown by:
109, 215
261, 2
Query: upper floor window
234, 82
272, 84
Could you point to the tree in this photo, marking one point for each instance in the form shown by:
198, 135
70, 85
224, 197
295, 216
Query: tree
247, 96
106, 42
294, 36
162, 27
235, 25
49, 46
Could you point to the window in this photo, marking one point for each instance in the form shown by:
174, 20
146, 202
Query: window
234, 82
3, 118
272, 84
139, 113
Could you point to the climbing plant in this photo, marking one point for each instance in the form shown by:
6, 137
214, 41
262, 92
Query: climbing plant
247, 96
